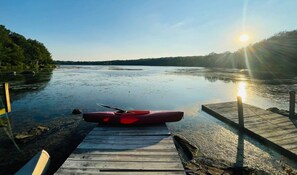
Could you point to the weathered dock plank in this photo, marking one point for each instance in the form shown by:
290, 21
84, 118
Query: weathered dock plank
124, 158
86, 145
125, 150
67, 171
129, 152
270, 128
130, 133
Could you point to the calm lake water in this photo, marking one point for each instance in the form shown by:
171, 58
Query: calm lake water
48, 98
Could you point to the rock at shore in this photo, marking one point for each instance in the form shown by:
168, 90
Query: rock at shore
26, 136
76, 111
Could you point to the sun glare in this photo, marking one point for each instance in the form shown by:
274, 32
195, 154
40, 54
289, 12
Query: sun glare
243, 38
242, 91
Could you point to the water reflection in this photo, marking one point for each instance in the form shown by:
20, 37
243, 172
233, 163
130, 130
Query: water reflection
214, 74
48, 98
22, 85
242, 91
234, 75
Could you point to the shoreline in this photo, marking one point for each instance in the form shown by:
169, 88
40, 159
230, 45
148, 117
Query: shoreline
194, 161
63, 137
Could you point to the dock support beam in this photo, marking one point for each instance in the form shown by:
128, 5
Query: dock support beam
292, 104
240, 112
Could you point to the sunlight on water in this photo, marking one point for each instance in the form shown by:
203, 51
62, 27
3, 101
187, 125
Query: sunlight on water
242, 91
49, 99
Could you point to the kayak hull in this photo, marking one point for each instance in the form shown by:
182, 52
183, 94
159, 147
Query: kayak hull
133, 117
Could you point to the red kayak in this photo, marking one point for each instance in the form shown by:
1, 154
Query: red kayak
133, 117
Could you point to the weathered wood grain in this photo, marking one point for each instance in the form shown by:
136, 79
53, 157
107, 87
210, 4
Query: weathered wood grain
125, 158
139, 151
269, 128
67, 171
104, 165
128, 141
127, 150
126, 138
86, 145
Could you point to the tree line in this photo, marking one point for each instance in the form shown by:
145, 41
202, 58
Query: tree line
18, 52
277, 53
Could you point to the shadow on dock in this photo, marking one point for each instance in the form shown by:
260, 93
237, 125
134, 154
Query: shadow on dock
240, 151
271, 129
125, 150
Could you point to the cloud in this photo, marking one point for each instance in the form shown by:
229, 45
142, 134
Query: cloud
178, 25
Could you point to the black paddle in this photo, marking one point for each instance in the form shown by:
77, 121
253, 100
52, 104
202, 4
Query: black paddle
115, 108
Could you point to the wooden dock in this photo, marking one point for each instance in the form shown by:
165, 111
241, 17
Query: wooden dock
143, 150
272, 129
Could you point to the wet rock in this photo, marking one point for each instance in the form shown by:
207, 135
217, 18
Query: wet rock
188, 151
22, 136
42, 128
215, 171
26, 136
76, 111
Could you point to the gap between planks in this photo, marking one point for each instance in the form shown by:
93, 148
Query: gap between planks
125, 150
264, 125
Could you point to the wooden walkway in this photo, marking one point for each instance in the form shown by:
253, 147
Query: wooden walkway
270, 128
144, 150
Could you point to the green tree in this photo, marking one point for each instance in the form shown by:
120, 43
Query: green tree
16, 50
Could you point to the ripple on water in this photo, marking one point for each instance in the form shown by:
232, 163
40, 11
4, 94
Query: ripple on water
154, 88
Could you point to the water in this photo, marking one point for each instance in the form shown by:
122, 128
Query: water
49, 98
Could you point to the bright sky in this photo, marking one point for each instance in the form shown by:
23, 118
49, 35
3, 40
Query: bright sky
131, 29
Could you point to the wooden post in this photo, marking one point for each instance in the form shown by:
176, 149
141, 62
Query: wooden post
240, 112
292, 104
7, 97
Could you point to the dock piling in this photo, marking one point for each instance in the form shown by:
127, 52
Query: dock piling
240, 112
292, 104
7, 106
269, 128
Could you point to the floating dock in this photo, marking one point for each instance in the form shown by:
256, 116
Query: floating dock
123, 150
275, 130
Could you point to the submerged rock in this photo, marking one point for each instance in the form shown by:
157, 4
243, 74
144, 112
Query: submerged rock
31, 134
22, 136
76, 111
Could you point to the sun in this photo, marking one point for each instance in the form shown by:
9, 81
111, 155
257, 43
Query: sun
243, 38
